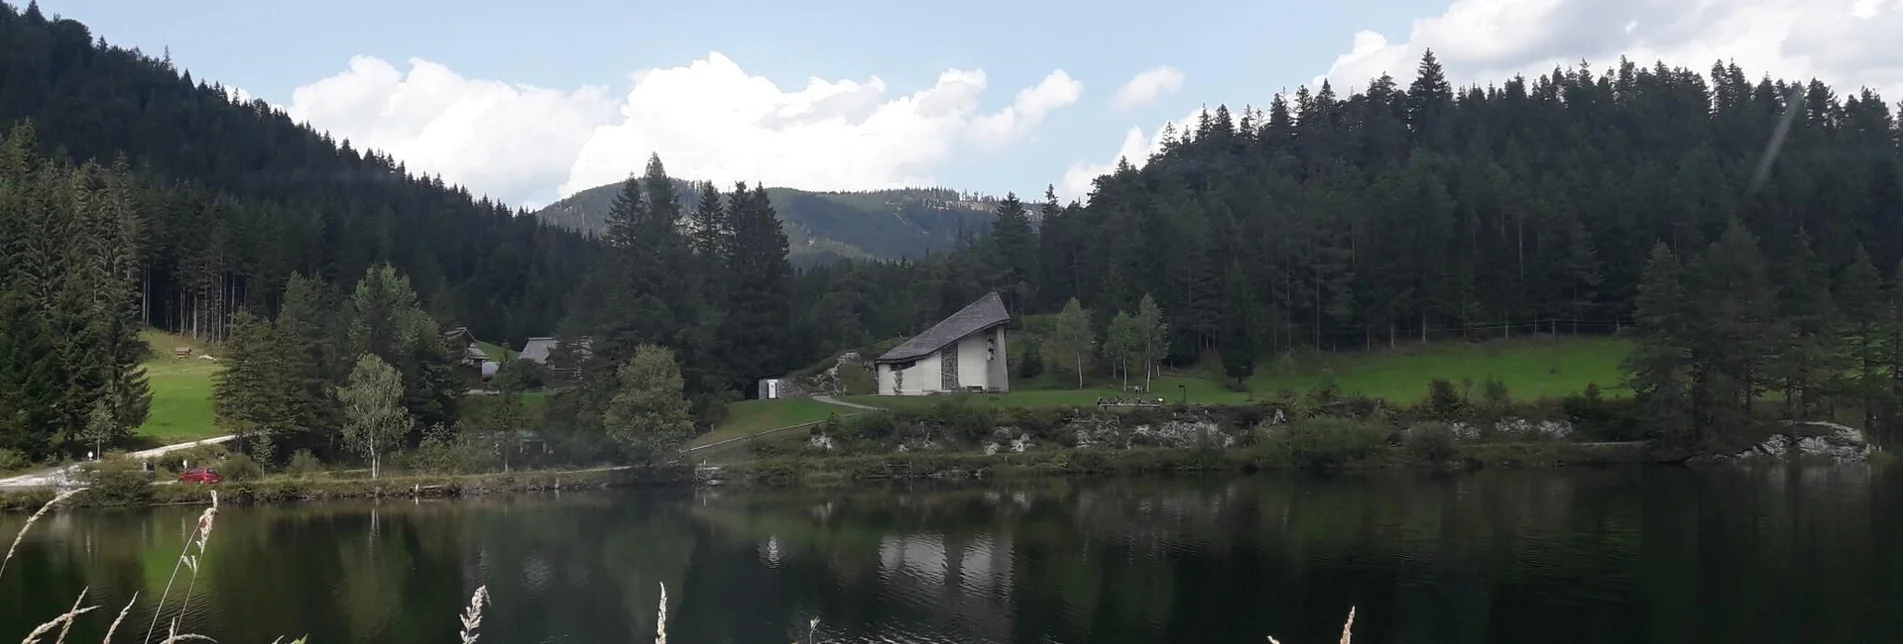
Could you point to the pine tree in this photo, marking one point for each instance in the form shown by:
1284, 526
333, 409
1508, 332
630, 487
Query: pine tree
1659, 370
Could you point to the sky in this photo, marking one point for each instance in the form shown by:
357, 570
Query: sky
529, 103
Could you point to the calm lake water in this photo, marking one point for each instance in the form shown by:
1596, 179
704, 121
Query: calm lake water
1572, 555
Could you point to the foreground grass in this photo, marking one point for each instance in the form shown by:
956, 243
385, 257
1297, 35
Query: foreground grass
181, 392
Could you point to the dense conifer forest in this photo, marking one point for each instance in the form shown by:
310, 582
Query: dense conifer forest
1642, 200
1532, 206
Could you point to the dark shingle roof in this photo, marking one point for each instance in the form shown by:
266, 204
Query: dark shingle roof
537, 350
977, 316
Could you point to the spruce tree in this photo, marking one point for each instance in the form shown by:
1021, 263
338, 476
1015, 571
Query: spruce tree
1013, 253
305, 331
248, 397
1735, 335
1864, 307
1659, 369
759, 322
1239, 343
1806, 359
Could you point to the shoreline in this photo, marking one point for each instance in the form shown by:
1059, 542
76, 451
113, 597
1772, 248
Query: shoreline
823, 472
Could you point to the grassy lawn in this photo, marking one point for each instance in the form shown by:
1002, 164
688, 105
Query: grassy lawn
1531, 369
1043, 392
181, 392
495, 352
749, 417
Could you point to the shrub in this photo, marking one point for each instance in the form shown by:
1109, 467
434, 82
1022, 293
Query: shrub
878, 425
240, 468
710, 410
198, 456
1496, 392
304, 464
1431, 442
13, 459
1322, 443
856, 379
1443, 401
1597, 417
960, 417
1039, 422
1327, 392
116, 481
1031, 365
446, 452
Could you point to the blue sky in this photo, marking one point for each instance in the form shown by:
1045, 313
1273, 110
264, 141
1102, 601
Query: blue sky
476, 119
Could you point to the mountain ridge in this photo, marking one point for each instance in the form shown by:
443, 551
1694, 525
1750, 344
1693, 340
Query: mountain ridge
822, 227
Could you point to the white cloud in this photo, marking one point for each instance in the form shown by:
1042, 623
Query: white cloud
1846, 43
709, 120
1144, 88
1136, 148
509, 141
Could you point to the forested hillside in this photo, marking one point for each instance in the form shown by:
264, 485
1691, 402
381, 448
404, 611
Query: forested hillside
133, 196
824, 226
233, 197
1406, 214
1427, 211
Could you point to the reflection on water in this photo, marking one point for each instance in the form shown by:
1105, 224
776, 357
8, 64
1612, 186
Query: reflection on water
1625, 555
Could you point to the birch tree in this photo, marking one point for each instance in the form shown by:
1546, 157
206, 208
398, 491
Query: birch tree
1149, 320
1071, 341
374, 418
1123, 344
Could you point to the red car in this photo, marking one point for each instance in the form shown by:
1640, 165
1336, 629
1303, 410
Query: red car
201, 476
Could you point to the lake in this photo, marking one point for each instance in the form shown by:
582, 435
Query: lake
1560, 555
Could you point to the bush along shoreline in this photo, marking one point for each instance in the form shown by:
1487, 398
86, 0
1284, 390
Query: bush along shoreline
964, 437
967, 437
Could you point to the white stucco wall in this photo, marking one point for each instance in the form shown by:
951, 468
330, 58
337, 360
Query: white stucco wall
922, 378
972, 366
